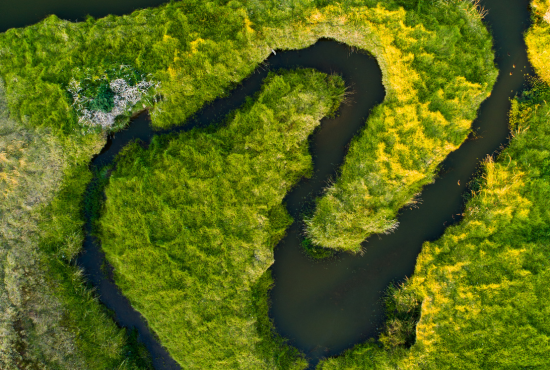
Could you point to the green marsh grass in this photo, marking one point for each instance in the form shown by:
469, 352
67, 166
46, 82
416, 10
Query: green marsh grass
191, 222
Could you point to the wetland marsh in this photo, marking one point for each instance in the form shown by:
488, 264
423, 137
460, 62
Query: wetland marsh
357, 167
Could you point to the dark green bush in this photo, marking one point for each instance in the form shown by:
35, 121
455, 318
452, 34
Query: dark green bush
104, 100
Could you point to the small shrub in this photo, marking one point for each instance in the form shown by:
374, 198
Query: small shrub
403, 313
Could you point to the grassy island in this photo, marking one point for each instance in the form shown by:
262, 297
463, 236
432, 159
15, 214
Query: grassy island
61, 80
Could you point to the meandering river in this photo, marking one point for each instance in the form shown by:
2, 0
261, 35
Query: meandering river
323, 307
327, 307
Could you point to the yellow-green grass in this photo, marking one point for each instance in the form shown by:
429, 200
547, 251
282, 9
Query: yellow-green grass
191, 222
538, 38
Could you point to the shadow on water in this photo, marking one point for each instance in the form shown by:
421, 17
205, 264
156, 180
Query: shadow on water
322, 307
326, 307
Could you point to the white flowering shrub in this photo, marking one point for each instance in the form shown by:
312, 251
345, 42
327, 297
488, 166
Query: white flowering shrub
98, 101
547, 16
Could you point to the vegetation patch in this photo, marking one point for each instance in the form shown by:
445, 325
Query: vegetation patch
437, 67
538, 38
402, 315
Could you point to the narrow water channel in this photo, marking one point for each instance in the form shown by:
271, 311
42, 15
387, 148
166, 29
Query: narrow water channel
325, 307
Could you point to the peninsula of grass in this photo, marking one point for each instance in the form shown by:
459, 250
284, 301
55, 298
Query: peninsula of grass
437, 67
191, 222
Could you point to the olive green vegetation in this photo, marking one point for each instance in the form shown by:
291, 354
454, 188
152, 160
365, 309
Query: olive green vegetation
437, 67
191, 222
48, 318
538, 38
436, 60
483, 287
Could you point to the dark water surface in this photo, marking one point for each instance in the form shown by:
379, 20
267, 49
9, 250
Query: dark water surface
21, 13
322, 307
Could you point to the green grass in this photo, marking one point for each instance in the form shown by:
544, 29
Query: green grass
191, 222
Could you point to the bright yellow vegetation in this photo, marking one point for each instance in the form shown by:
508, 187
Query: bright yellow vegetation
538, 38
